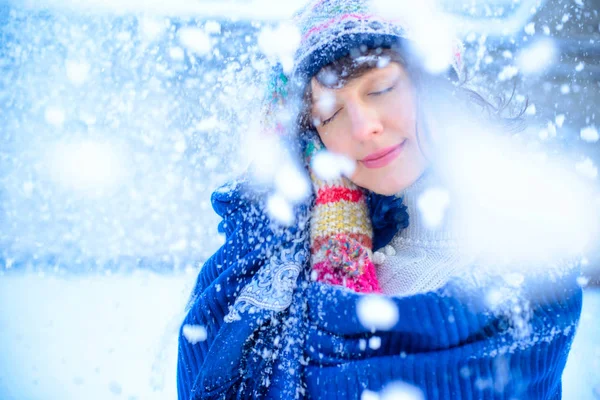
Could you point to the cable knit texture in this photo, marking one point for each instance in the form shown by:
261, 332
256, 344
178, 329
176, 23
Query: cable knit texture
420, 258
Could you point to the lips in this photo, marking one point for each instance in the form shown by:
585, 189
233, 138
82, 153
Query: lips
382, 157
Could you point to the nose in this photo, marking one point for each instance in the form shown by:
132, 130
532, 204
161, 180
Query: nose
364, 121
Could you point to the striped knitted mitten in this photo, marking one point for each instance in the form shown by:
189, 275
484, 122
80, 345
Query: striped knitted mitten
341, 234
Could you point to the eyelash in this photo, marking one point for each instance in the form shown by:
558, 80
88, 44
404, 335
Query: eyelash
323, 123
383, 91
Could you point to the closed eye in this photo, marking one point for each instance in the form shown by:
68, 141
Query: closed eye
323, 123
382, 91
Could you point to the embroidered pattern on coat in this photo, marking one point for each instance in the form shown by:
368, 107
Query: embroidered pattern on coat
272, 287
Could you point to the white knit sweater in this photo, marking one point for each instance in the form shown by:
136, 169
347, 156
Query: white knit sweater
420, 258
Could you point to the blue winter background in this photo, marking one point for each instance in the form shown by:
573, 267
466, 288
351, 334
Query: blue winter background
118, 118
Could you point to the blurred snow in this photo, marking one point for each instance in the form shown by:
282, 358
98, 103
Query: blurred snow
583, 281
587, 168
119, 118
195, 40
377, 312
530, 28
280, 209
326, 102
176, 53
506, 196
280, 44
194, 333
589, 134
77, 71
531, 110
374, 342
235, 9
433, 204
394, 391
135, 111
508, 72
428, 26
292, 183
128, 119
89, 166
328, 166
54, 116
537, 56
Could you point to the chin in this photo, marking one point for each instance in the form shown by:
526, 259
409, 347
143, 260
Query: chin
387, 189
386, 185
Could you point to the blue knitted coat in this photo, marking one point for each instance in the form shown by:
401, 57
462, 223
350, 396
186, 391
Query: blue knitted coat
274, 333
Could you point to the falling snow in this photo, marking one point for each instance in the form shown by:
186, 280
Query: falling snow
194, 333
328, 166
325, 104
433, 204
195, 40
589, 134
77, 71
531, 109
508, 72
394, 391
530, 28
54, 116
279, 208
280, 44
536, 57
375, 343
292, 183
118, 125
375, 312
587, 168
583, 281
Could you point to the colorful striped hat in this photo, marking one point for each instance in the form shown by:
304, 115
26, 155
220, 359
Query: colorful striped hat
330, 29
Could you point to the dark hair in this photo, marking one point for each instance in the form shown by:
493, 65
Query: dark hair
360, 61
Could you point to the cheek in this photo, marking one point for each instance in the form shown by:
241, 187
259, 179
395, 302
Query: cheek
401, 114
336, 143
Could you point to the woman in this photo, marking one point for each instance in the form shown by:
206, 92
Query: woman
286, 311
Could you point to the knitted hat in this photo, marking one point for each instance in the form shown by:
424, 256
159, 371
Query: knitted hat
330, 29
341, 229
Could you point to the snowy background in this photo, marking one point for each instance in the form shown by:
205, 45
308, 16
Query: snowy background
117, 120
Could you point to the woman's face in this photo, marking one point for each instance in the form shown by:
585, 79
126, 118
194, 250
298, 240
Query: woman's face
372, 120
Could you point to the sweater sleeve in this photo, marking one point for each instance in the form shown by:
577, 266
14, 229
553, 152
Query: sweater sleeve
468, 340
241, 221
219, 279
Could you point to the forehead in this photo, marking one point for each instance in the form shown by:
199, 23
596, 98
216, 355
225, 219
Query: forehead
373, 74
